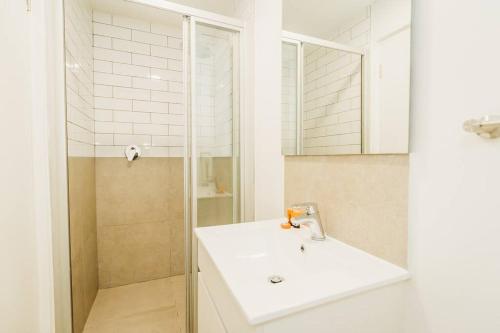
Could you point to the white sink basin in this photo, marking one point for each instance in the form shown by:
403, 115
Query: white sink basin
247, 254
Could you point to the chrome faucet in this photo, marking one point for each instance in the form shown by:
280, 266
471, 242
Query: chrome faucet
309, 217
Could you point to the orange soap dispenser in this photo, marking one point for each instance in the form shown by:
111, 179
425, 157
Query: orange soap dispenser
291, 214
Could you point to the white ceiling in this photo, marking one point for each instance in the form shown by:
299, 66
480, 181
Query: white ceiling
224, 7
320, 18
137, 11
126, 8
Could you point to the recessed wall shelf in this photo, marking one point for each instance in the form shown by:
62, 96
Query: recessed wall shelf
486, 127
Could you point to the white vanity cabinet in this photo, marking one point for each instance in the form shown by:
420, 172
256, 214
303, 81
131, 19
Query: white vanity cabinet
328, 286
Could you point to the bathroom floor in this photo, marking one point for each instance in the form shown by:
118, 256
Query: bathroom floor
156, 306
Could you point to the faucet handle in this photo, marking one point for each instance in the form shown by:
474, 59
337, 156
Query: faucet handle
311, 218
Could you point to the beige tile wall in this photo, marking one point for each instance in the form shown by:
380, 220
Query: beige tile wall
83, 237
139, 219
363, 199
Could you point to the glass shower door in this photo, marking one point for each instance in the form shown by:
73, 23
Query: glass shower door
213, 148
215, 125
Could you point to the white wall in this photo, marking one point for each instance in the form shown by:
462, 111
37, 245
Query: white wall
29, 101
454, 176
19, 274
269, 188
263, 88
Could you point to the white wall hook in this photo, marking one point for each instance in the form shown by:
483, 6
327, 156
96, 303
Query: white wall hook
132, 152
486, 127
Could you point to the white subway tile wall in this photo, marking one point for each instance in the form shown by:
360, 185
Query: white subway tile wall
79, 78
289, 99
332, 93
137, 86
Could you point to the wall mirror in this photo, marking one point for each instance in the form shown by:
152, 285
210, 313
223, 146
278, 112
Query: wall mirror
346, 77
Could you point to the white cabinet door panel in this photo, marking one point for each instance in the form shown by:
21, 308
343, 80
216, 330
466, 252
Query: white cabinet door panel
208, 318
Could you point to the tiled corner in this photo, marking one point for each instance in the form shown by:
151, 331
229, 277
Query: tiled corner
140, 219
83, 237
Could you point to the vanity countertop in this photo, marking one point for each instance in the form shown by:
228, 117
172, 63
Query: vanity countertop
314, 272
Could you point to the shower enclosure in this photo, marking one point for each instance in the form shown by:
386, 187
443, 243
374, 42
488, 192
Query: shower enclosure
166, 79
213, 145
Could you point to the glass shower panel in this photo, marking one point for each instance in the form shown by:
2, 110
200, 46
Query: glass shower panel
216, 125
289, 99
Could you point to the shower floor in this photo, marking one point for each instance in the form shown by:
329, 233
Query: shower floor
156, 306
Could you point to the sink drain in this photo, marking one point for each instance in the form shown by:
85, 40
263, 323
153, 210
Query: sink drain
276, 279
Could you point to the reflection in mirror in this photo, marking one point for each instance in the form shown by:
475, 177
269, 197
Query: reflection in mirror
346, 83
332, 101
290, 132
